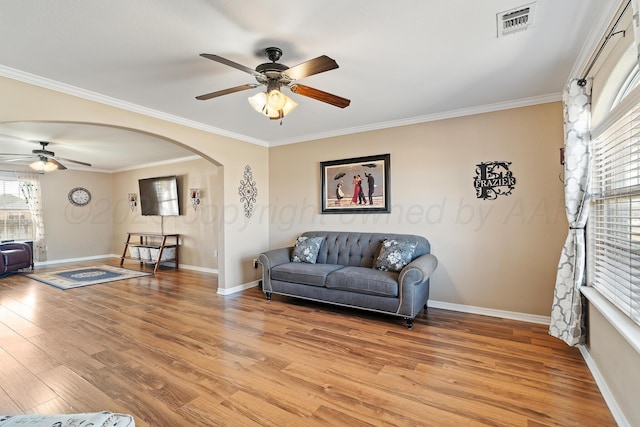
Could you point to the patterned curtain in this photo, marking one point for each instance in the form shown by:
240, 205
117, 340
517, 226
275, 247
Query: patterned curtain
567, 320
30, 187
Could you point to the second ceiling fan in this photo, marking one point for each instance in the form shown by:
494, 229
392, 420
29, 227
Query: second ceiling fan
273, 103
46, 161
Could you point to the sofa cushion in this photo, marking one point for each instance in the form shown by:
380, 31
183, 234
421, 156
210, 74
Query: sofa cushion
357, 249
306, 249
364, 280
303, 273
394, 254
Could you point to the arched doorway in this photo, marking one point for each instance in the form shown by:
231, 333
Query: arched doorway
119, 157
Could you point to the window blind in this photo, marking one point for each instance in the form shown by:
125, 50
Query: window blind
614, 220
15, 217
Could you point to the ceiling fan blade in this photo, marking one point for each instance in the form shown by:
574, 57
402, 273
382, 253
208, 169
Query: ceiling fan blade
313, 66
16, 154
320, 95
19, 159
69, 160
9, 138
226, 91
57, 163
235, 65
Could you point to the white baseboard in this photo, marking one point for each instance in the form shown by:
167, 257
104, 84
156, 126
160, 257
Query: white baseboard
200, 269
524, 317
611, 402
68, 260
95, 257
513, 315
239, 288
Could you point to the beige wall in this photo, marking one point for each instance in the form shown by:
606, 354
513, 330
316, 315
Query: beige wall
99, 229
71, 231
198, 228
240, 239
617, 363
500, 254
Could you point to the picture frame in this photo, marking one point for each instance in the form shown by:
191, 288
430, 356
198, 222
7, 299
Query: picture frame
340, 177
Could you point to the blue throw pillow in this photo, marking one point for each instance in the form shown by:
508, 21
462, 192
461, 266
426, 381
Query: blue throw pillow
394, 255
306, 249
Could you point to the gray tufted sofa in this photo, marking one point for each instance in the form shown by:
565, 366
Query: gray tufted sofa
344, 275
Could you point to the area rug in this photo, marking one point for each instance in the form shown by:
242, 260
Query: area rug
78, 277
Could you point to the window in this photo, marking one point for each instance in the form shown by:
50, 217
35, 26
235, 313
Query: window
15, 216
632, 81
614, 221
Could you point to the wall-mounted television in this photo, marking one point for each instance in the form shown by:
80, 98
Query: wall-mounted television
159, 196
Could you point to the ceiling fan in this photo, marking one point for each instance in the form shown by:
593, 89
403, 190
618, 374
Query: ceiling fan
273, 103
45, 160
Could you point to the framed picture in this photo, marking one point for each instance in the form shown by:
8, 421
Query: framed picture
358, 185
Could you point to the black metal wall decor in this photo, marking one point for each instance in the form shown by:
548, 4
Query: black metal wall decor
248, 191
493, 179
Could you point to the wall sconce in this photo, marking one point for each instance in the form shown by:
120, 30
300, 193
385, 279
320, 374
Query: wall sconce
133, 201
194, 195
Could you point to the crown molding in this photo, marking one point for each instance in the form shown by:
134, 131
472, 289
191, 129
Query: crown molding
103, 99
161, 163
489, 108
595, 38
43, 82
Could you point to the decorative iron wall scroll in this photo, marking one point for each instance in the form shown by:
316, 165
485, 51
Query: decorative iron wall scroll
493, 179
248, 191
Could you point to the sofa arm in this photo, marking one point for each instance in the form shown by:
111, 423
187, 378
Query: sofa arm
14, 246
419, 270
270, 259
413, 286
9, 246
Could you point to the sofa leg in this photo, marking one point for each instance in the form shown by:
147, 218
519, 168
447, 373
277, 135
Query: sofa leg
409, 323
268, 294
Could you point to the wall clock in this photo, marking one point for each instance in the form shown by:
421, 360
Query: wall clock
79, 196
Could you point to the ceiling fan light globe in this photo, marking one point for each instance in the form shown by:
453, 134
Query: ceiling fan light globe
38, 165
289, 106
258, 102
43, 166
276, 99
50, 167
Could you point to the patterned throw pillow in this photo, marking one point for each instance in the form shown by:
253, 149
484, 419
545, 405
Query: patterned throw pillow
306, 249
394, 254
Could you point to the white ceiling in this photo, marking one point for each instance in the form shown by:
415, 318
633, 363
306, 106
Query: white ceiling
400, 62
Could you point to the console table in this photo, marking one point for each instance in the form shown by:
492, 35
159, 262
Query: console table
159, 247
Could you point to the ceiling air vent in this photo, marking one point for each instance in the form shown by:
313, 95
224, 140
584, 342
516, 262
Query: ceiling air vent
514, 20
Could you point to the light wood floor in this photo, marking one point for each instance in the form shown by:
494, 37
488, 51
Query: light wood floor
171, 352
